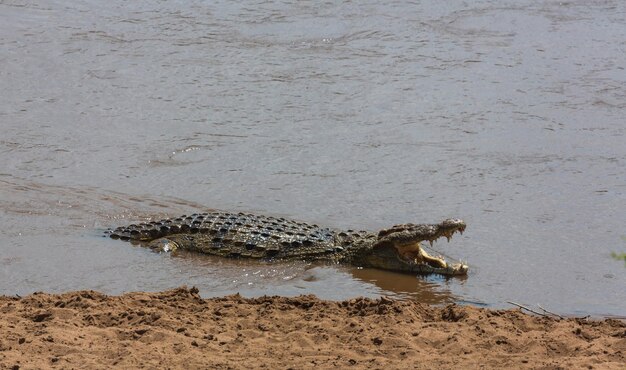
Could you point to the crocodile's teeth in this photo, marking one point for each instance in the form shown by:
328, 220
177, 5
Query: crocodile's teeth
448, 237
431, 242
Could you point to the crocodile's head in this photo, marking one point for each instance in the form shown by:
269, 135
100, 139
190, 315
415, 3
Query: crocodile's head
398, 249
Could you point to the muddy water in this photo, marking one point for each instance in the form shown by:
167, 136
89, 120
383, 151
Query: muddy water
509, 114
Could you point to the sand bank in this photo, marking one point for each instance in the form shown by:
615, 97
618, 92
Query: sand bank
179, 329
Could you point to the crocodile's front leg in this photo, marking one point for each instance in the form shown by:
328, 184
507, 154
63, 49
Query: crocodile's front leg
163, 245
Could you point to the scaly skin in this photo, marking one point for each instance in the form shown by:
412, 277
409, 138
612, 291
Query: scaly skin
262, 237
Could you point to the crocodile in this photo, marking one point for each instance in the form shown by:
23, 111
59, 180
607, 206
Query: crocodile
245, 235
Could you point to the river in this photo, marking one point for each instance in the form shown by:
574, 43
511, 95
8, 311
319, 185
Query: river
508, 114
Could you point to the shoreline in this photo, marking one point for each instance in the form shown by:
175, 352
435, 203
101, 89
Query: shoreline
179, 329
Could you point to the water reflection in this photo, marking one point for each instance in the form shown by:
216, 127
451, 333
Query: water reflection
254, 278
426, 289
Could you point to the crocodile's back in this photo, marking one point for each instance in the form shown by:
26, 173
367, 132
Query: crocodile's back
235, 234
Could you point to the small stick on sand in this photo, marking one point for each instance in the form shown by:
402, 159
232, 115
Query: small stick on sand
551, 313
526, 308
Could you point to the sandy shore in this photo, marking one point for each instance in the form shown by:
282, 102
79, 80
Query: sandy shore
178, 329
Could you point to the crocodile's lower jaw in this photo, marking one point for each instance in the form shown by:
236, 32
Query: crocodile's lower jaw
419, 261
456, 269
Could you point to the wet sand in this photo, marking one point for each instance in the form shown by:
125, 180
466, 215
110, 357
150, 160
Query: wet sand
179, 329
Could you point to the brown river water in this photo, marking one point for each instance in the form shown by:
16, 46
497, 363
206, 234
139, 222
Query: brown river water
508, 114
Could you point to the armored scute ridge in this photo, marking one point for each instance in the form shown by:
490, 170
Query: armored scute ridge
262, 237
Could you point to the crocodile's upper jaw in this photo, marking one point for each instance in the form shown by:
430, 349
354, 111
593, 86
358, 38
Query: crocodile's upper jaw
399, 249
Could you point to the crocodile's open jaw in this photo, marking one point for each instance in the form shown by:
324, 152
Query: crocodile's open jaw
399, 248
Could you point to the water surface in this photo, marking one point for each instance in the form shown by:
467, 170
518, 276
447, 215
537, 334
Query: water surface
508, 114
